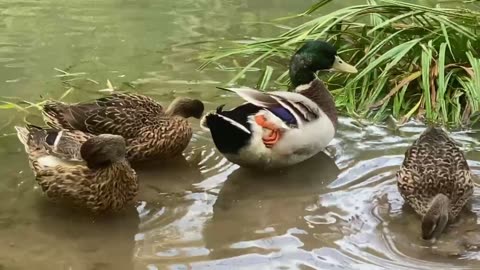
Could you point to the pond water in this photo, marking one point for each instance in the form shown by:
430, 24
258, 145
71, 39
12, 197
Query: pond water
336, 211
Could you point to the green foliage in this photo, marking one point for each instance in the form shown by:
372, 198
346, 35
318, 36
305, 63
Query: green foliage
413, 60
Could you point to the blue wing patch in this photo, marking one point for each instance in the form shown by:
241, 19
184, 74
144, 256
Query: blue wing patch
285, 115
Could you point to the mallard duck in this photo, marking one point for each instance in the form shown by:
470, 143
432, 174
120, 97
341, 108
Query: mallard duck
150, 131
435, 180
85, 170
279, 128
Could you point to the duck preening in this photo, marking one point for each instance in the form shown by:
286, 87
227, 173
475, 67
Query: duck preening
150, 131
279, 128
85, 170
435, 180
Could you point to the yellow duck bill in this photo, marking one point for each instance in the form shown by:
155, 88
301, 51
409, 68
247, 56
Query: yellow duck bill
342, 66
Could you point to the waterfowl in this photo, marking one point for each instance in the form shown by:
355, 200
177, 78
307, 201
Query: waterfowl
435, 180
76, 168
279, 128
150, 131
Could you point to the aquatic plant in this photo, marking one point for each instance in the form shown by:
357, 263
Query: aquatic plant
414, 60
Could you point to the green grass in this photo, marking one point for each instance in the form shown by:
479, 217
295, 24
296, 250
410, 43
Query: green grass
413, 60
67, 79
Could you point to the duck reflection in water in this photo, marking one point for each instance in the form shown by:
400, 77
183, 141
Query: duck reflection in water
72, 239
267, 204
164, 185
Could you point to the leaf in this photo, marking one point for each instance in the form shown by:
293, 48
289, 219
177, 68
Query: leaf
240, 74
404, 82
395, 54
66, 93
441, 82
392, 43
426, 62
10, 105
265, 78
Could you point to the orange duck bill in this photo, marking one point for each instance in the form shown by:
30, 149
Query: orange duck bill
269, 138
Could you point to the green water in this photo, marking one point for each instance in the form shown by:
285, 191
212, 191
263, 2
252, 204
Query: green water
340, 212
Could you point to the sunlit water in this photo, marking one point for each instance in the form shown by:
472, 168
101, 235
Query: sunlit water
339, 210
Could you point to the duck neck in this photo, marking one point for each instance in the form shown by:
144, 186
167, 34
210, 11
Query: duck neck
301, 76
439, 207
172, 110
300, 70
319, 94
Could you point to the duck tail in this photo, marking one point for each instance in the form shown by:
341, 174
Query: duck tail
436, 134
30, 136
54, 114
208, 119
203, 121
23, 135
223, 119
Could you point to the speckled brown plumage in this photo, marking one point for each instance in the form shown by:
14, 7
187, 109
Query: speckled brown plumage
149, 130
434, 164
69, 180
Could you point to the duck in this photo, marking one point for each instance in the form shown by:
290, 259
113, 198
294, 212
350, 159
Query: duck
80, 169
278, 128
435, 180
151, 132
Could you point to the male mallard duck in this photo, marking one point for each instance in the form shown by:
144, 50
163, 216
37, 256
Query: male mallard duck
435, 180
85, 170
150, 131
279, 128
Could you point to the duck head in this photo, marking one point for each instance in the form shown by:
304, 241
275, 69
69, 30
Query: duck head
435, 219
316, 56
186, 107
103, 150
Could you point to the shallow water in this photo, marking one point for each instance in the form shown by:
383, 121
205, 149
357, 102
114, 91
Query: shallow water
339, 210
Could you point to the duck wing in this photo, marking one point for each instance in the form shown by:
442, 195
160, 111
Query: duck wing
292, 108
64, 144
121, 114
436, 149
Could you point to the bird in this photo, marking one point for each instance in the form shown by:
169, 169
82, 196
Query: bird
279, 128
435, 180
150, 131
87, 171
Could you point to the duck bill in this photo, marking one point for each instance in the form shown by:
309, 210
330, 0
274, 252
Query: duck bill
342, 66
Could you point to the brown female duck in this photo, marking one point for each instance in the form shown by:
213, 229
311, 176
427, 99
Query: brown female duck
88, 171
435, 180
150, 131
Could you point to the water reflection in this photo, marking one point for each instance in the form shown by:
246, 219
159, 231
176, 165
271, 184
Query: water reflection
52, 237
163, 187
268, 204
